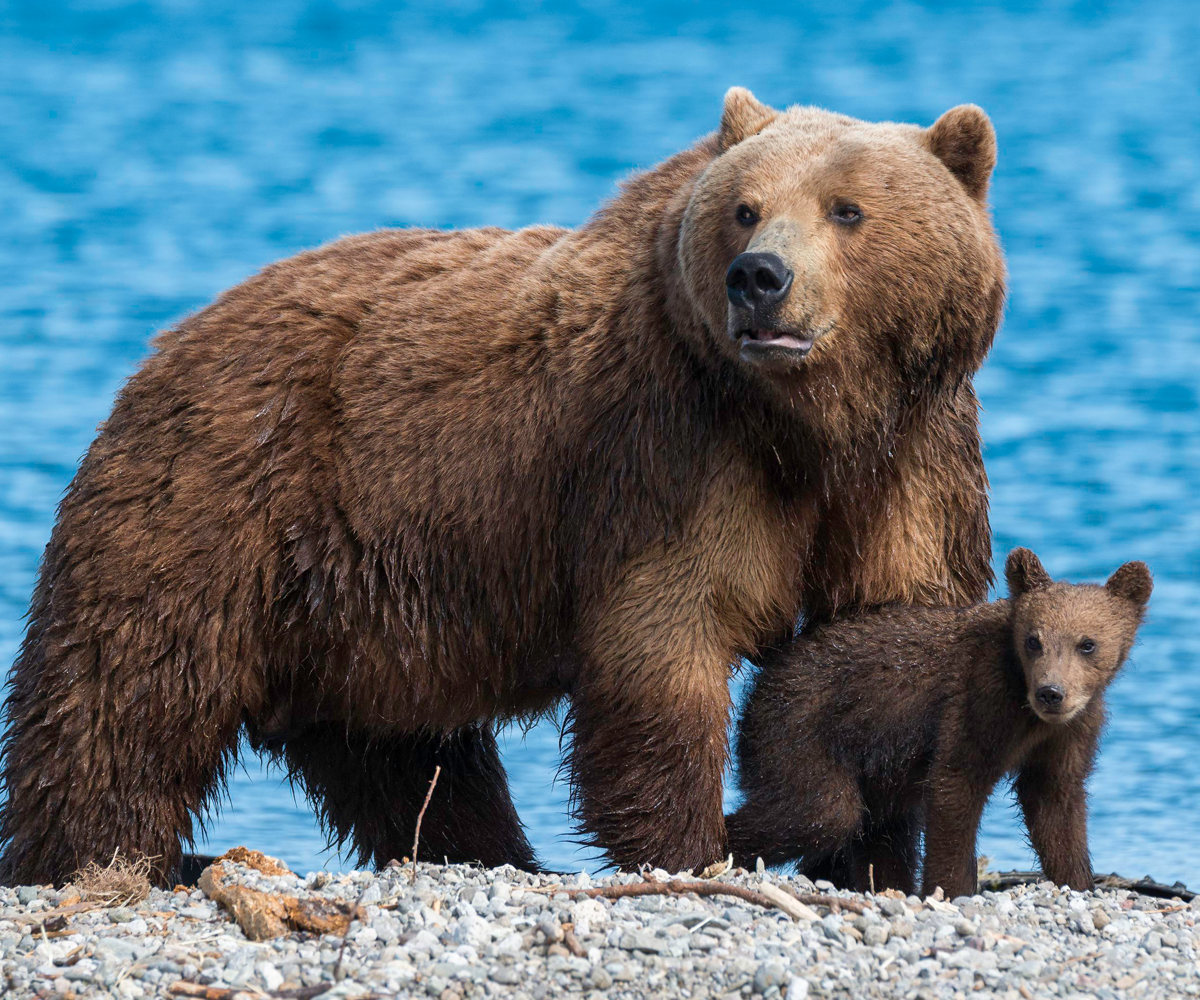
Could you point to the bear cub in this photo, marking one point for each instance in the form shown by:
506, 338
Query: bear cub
868, 731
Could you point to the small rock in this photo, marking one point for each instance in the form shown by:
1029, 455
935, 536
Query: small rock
550, 927
1100, 919
600, 979
769, 974
120, 915
797, 988
642, 940
271, 976
892, 907
876, 934
964, 928
505, 976
1152, 942
26, 894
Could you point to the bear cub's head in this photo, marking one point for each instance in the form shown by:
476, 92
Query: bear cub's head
1072, 639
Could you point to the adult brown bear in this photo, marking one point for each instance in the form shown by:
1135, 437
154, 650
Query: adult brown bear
393, 491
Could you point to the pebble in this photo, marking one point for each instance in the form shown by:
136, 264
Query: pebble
462, 933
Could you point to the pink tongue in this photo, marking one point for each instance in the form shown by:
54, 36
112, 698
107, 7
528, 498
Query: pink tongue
782, 340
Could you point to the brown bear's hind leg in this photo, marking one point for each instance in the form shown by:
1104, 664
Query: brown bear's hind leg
368, 790
102, 757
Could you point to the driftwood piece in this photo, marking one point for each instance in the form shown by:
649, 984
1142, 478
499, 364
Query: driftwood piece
1146, 886
264, 915
680, 887
185, 989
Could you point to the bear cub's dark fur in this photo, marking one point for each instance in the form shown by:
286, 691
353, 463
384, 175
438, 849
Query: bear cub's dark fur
868, 730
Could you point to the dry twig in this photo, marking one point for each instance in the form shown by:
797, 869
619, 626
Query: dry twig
421, 815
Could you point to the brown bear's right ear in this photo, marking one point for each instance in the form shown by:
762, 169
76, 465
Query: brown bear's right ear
964, 140
743, 116
1024, 572
1131, 581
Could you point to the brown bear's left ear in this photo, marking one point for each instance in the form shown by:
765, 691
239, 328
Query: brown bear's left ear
964, 140
1131, 581
1024, 572
743, 116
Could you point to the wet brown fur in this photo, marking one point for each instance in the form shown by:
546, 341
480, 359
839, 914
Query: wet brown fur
388, 493
873, 728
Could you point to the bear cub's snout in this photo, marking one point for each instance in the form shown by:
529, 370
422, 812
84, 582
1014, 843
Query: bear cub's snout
868, 731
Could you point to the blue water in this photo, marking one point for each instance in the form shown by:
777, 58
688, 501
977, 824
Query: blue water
154, 153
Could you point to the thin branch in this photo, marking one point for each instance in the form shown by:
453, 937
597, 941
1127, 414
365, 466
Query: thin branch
421, 815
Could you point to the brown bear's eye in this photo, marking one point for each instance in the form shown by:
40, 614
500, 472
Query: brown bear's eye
1087, 647
746, 215
1033, 644
846, 214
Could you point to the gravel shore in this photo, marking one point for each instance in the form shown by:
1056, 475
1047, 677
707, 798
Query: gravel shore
460, 932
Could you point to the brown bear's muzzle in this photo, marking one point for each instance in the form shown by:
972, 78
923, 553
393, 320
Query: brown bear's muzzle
757, 284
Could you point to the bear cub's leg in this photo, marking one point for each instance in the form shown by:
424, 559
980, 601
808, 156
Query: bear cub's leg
368, 790
794, 820
1050, 789
890, 854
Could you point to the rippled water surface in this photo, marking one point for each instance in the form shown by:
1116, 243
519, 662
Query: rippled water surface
154, 153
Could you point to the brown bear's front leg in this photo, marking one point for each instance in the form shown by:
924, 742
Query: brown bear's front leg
648, 759
649, 719
1050, 788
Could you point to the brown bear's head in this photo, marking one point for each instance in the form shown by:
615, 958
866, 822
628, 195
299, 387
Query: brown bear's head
1072, 639
849, 265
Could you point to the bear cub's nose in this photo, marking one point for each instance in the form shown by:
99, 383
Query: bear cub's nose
757, 280
1050, 697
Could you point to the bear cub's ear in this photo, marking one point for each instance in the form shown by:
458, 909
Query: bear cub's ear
1131, 581
964, 140
743, 116
1024, 572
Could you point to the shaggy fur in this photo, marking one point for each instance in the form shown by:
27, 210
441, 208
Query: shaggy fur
390, 492
873, 727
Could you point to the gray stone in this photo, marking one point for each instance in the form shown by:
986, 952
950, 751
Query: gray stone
876, 934
640, 940
27, 894
767, 975
506, 976
797, 988
600, 979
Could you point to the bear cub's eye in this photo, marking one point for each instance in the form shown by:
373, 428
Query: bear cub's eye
1033, 644
746, 215
1087, 647
846, 213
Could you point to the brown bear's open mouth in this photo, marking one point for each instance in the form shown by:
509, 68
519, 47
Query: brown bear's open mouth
754, 341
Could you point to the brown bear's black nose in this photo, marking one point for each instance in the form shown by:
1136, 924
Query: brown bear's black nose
757, 279
1050, 697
